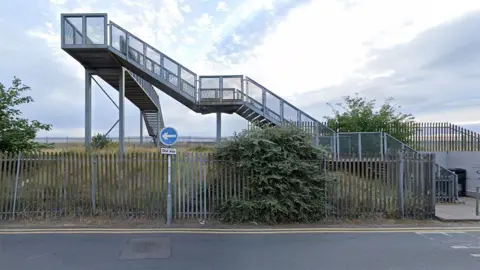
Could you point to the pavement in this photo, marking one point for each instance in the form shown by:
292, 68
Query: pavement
464, 211
242, 249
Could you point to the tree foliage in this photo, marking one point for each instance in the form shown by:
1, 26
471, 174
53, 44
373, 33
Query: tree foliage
286, 176
17, 134
359, 114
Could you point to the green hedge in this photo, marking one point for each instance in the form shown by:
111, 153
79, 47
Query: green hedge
287, 180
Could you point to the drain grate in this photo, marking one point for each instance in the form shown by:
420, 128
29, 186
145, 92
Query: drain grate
147, 248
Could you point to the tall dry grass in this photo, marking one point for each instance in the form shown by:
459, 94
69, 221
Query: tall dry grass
113, 147
77, 182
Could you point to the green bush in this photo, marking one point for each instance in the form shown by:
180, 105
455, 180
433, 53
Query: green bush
101, 141
286, 182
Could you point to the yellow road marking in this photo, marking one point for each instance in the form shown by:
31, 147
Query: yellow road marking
233, 231
250, 229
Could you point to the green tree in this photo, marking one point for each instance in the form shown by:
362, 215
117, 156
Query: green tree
359, 114
286, 177
17, 134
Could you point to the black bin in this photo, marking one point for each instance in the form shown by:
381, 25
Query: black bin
462, 180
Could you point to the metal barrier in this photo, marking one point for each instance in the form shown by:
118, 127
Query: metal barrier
365, 144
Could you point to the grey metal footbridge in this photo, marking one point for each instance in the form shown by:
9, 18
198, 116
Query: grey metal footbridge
135, 68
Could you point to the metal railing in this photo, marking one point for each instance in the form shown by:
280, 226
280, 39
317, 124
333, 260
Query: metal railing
79, 184
446, 185
258, 97
156, 63
148, 88
128, 139
366, 144
361, 145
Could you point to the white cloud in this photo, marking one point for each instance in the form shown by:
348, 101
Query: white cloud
186, 8
324, 44
205, 20
189, 40
459, 116
52, 39
221, 6
58, 2
238, 15
217, 33
236, 39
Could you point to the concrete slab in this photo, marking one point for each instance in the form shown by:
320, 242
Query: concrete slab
147, 248
457, 212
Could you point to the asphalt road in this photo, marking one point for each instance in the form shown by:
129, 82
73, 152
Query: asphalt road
338, 251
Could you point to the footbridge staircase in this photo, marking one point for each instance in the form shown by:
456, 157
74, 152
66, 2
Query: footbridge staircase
103, 46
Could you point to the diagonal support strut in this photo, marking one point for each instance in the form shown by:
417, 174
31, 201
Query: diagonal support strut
103, 90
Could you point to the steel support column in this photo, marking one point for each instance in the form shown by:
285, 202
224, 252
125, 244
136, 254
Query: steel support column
88, 109
121, 112
141, 128
158, 129
219, 126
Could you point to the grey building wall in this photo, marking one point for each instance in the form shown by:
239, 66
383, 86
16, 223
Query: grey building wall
469, 161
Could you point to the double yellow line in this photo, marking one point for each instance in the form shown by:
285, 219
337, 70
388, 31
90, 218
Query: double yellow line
13, 231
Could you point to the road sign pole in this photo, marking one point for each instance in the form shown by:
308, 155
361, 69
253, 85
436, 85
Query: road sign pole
168, 137
169, 190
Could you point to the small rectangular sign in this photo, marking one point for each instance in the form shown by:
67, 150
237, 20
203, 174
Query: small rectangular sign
168, 151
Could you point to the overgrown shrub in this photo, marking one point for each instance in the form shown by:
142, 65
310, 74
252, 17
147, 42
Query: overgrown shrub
101, 141
286, 182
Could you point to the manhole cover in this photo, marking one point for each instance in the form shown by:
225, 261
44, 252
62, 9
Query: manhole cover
147, 248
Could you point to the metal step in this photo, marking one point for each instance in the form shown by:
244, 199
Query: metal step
253, 116
152, 124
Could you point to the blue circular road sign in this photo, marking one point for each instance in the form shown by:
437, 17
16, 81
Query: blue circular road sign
168, 136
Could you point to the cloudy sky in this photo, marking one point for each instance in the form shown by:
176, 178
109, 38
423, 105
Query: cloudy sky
425, 54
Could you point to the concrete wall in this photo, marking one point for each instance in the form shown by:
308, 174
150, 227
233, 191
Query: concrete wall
469, 161
441, 158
